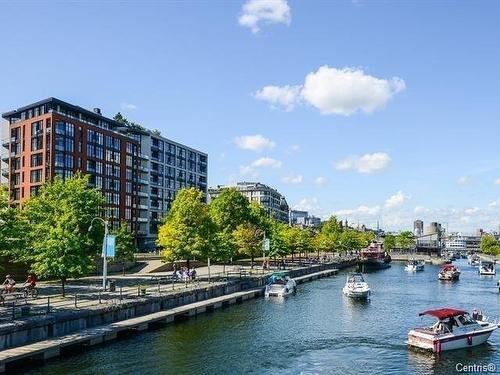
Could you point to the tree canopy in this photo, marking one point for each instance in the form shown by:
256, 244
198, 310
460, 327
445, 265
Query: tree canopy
188, 231
59, 217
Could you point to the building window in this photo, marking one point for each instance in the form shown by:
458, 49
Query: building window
36, 176
36, 160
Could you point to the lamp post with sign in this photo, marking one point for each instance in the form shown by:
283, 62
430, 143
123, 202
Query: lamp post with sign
108, 249
265, 248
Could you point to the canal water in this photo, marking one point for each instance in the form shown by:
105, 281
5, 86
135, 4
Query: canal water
317, 331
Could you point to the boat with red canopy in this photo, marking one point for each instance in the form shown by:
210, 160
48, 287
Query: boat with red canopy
454, 329
449, 273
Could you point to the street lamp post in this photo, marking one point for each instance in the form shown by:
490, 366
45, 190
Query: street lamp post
104, 255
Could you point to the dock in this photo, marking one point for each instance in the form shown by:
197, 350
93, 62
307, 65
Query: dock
55, 346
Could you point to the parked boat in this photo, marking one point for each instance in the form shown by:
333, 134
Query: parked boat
449, 273
280, 285
415, 265
373, 257
356, 286
474, 260
454, 329
487, 268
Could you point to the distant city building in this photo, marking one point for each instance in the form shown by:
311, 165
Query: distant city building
268, 197
302, 218
434, 228
418, 227
455, 242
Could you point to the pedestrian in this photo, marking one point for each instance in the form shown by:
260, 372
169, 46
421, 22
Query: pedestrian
8, 284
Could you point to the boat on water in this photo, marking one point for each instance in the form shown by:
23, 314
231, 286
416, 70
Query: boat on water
374, 257
487, 268
356, 286
280, 285
415, 265
474, 260
454, 329
449, 273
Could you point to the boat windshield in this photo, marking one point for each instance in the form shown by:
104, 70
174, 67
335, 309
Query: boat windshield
356, 278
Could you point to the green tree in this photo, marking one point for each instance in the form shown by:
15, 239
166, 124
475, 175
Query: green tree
248, 239
260, 217
349, 240
389, 242
13, 228
489, 245
405, 240
227, 211
328, 235
59, 217
188, 231
125, 244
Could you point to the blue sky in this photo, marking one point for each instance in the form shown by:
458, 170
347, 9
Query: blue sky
396, 120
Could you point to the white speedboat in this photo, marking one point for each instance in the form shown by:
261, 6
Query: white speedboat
487, 268
474, 260
449, 273
356, 286
280, 285
454, 329
414, 265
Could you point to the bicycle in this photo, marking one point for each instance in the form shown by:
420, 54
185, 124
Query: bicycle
30, 291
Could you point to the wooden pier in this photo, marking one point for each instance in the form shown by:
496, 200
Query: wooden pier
53, 347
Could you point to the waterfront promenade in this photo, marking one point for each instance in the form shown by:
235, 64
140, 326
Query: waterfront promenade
85, 308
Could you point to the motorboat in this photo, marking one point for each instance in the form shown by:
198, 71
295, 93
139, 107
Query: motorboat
280, 285
415, 265
374, 257
474, 260
356, 286
449, 273
487, 268
454, 329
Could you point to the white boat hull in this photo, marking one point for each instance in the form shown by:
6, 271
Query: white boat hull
411, 268
488, 273
277, 290
449, 342
356, 293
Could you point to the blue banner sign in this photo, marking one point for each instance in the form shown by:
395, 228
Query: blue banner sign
110, 245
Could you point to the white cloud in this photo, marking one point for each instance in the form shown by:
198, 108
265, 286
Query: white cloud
266, 162
497, 182
306, 204
330, 90
320, 181
285, 96
361, 210
463, 180
292, 178
129, 107
472, 210
295, 148
256, 12
396, 200
421, 209
348, 90
247, 170
255, 142
495, 204
367, 163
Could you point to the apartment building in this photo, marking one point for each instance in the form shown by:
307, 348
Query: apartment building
268, 197
138, 170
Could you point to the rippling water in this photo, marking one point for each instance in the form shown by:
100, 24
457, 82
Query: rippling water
317, 331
